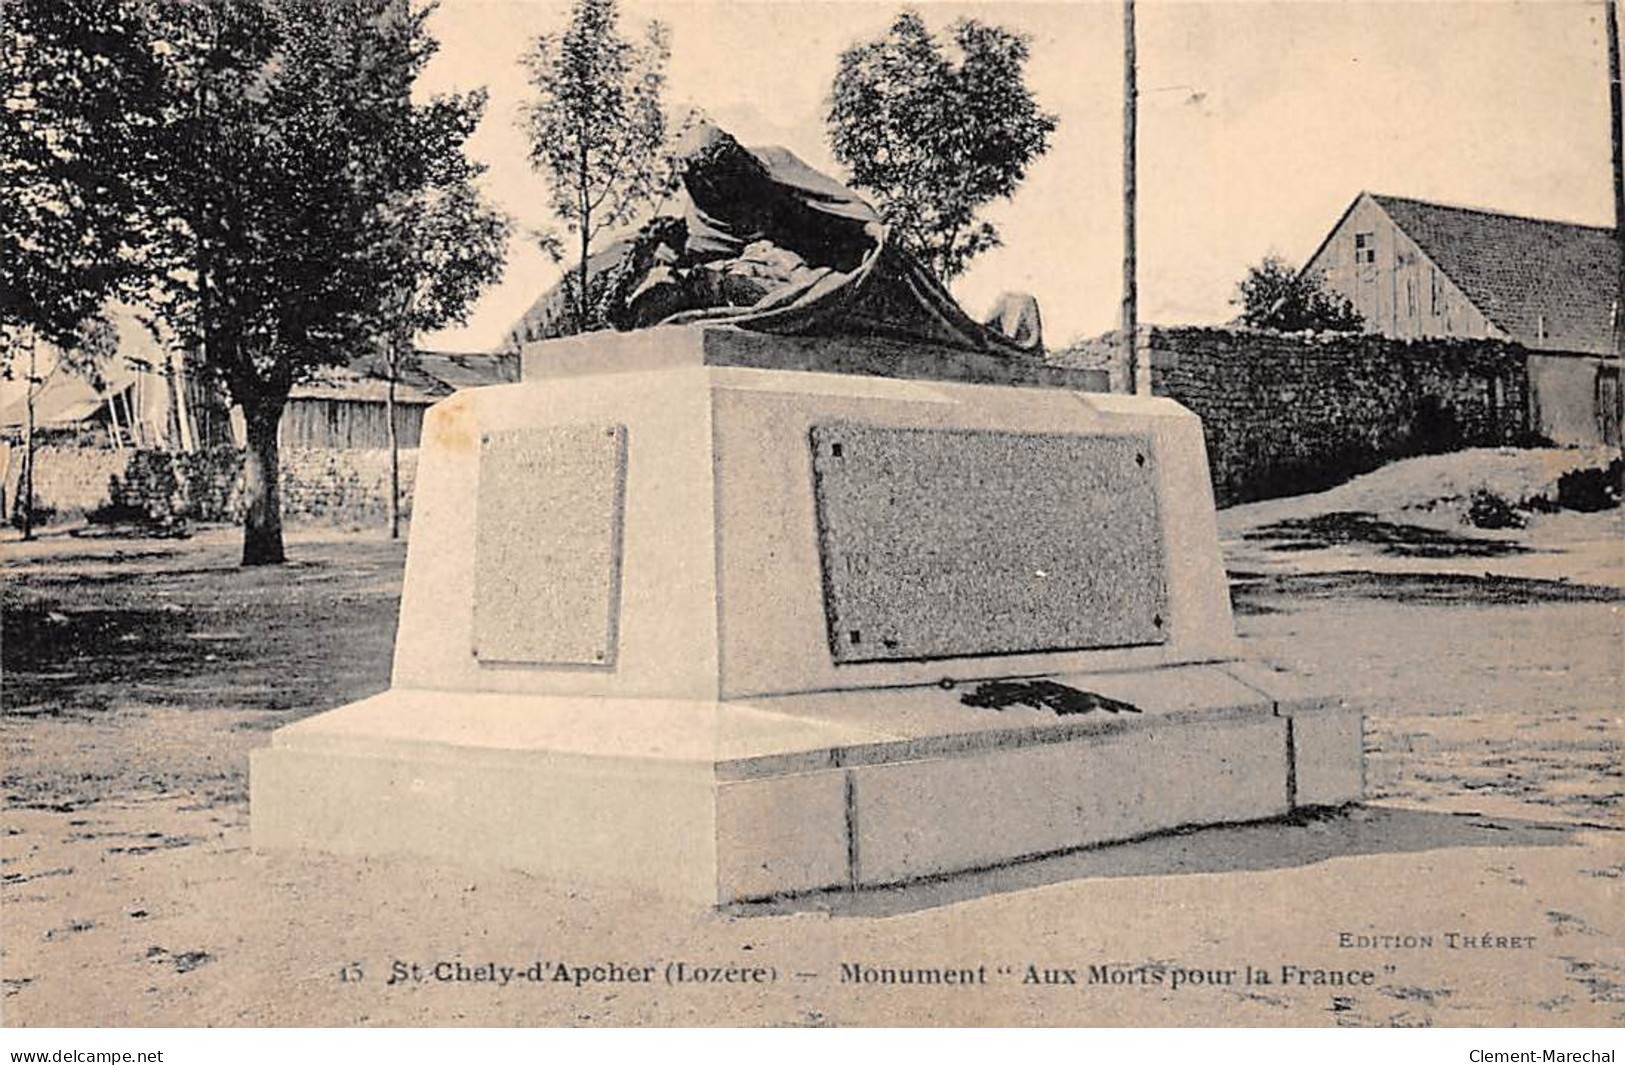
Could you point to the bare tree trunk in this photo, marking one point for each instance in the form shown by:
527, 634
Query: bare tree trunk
394, 368
183, 406
25, 486
172, 424
262, 517
583, 325
135, 403
205, 320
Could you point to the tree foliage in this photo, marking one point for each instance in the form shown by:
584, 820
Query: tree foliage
435, 241
255, 171
439, 243
79, 124
597, 129
937, 136
283, 131
1276, 295
280, 115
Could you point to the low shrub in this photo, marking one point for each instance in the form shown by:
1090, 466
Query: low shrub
1486, 510
1593, 488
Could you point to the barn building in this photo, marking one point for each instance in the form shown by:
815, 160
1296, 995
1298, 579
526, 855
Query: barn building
1416, 269
344, 407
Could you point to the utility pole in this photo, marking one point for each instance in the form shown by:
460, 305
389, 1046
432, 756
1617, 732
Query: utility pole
1130, 288
25, 493
1610, 16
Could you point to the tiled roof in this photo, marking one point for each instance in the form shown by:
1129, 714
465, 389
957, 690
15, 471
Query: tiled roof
344, 383
434, 375
1550, 285
454, 369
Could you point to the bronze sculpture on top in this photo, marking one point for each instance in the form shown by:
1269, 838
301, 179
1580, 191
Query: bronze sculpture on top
766, 243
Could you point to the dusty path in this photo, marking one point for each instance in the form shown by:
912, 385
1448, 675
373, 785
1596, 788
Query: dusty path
201, 931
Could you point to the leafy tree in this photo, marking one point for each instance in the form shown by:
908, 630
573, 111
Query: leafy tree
290, 137
268, 132
597, 130
1276, 295
937, 136
94, 344
232, 163
439, 245
78, 119
79, 116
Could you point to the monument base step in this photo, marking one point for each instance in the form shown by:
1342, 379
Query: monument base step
723, 802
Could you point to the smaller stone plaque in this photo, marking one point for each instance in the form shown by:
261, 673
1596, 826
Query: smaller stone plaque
547, 545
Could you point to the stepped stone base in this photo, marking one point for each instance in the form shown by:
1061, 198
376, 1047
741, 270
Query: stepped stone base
728, 616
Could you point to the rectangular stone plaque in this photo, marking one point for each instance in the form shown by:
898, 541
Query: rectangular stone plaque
947, 543
547, 545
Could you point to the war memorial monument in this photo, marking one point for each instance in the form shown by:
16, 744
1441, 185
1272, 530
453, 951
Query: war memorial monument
800, 579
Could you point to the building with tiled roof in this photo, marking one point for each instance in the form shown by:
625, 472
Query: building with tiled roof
343, 406
1418, 269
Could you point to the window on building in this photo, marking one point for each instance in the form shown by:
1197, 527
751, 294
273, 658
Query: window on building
1365, 247
1433, 286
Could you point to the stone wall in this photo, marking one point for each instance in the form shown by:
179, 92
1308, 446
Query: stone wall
343, 486
166, 486
319, 485
67, 480
1105, 354
1291, 413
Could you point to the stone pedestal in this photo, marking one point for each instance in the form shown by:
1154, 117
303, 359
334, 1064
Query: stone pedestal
678, 617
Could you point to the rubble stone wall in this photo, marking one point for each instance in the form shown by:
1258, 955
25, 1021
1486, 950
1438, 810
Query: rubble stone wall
1291, 413
330, 486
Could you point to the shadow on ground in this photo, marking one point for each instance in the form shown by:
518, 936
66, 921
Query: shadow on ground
1308, 837
1394, 538
1254, 593
189, 628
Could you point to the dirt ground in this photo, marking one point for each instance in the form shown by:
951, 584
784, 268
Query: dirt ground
139, 673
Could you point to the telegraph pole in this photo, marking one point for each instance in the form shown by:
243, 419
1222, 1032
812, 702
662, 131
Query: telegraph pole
1610, 16
1130, 288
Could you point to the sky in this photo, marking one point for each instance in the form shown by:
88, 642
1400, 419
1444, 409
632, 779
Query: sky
1258, 124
